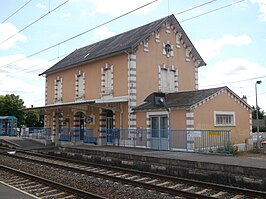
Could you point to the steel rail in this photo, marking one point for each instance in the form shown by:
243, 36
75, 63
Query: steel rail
121, 180
220, 187
68, 189
146, 174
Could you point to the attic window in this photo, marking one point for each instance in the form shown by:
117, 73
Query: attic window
167, 49
87, 55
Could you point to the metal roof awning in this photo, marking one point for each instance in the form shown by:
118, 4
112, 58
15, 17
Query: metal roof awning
60, 105
97, 103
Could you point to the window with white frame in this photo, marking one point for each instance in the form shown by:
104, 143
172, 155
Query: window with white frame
107, 80
168, 80
80, 85
58, 89
222, 118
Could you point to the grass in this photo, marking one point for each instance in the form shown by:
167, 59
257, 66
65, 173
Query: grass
254, 151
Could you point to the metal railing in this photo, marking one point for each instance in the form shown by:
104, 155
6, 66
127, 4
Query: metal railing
36, 133
76, 135
204, 141
211, 141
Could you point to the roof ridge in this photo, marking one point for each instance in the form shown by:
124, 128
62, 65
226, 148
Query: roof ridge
125, 41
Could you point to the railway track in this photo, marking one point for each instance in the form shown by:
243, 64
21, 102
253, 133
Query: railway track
176, 187
39, 187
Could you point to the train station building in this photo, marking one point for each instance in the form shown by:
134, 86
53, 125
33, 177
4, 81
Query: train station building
144, 84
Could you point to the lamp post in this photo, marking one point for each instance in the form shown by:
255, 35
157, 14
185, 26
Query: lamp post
257, 113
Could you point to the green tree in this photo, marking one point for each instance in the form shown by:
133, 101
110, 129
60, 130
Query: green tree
261, 113
11, 105
262, 116
34, 119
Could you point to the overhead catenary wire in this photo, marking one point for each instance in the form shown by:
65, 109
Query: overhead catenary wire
64, 41
144, 6
198, 6
43, 50
49, 12
22, 70
96, 27
16, 11
78, 35
237, 81
205, 13
130, 12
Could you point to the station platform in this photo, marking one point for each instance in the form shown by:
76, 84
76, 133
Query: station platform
239, 171
22, 143
247, 171
11, 193
251, 160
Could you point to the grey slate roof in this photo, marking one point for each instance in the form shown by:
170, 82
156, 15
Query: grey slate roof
186, 99
127, 41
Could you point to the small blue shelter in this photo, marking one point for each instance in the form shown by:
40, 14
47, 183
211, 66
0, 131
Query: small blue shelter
8, 126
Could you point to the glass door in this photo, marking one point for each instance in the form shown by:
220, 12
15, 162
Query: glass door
160, 133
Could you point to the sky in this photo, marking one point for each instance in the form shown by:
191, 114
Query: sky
35, 34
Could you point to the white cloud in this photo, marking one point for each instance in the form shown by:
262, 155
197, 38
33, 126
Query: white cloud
102, 33
40, 5
65, 15
241, 5
262, 8
121, 6
210, 48
231, 73
7, 40
20, 78
85, 12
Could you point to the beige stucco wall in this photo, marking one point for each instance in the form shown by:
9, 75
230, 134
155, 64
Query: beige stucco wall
93, 79
148, 65
204, 117
141, 120
178, 119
